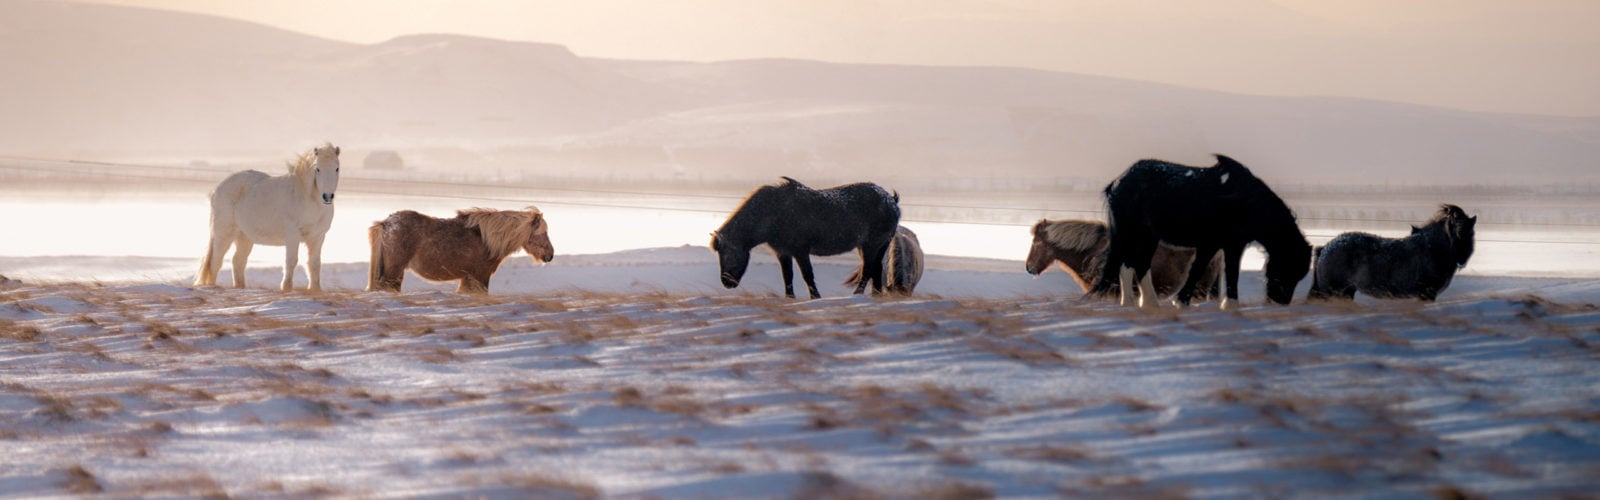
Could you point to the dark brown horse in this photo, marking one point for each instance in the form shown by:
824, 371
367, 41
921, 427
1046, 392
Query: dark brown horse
797, 222
1418, 266
902, 264
1080, 247
468, 247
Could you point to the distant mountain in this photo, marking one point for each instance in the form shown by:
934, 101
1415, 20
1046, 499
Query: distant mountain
101, 81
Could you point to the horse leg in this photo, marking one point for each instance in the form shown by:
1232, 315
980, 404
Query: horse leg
1113, 268
241, 254
393, 256
1138, 272
877, 270
1230, 265
474, 283
811, 279
291, 259
314, 262
213, 262
1147, 291
786, 263
1199, 268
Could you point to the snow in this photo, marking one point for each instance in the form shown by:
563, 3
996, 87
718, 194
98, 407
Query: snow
635, 374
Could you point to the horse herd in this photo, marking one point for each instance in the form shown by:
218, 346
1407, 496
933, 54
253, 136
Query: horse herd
1172, 230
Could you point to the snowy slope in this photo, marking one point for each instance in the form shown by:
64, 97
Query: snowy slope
575, 381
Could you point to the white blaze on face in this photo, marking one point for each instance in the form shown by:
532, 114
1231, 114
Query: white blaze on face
1225, 178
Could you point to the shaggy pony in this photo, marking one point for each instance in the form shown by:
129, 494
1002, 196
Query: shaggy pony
251, 207
468, 247
1079, 246
1418, 266
902, 264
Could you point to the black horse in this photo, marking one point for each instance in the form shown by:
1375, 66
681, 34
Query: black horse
798, 222
1224, 207
1419, 266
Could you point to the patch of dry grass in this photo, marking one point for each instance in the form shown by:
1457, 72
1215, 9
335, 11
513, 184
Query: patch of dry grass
546, 486
80, 481
191, 485
1051, 453
18, 332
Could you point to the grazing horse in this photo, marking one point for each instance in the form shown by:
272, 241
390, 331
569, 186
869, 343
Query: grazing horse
468, 247
798, 222
1222, 207
902, 264
1080, 247
1420, 265
251, 207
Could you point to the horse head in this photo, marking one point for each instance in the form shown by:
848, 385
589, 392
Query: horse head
1287, 263
538, 244
1039, 254
326, 171
1462, 231
733, 258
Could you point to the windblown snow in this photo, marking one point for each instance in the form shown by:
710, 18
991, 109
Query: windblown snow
635, 375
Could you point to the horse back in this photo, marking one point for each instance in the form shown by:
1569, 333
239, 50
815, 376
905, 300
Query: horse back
231, 189
1191, 206
835, 220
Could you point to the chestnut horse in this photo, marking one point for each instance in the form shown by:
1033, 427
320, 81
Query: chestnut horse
468, 247
1080, 247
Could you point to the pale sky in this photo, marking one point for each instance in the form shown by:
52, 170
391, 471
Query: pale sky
1523, 56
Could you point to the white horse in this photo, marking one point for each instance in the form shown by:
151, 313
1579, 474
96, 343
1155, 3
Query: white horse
252, 207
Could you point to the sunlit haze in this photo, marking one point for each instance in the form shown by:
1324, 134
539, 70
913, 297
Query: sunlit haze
1534, 56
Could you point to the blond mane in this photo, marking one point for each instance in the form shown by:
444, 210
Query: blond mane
504, 231
1072, 235
303, 167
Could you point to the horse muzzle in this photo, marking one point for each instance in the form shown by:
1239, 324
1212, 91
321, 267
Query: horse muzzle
728, 281
327, 198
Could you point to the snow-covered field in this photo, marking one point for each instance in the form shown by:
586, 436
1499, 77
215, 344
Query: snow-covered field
633, 374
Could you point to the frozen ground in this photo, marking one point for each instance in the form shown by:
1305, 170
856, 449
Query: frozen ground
634, 374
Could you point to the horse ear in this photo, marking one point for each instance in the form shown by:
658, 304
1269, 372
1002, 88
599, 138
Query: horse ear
1415, 229
336, 150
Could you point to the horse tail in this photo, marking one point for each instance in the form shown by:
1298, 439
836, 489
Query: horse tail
375, 263
200, 277
855, 277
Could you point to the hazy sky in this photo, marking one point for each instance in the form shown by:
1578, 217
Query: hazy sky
1527, 56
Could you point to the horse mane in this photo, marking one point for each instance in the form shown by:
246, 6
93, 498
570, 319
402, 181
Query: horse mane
504, 231
303, 167
1072, 235
1455, 226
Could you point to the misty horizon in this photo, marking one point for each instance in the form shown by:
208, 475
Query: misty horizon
208, 89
